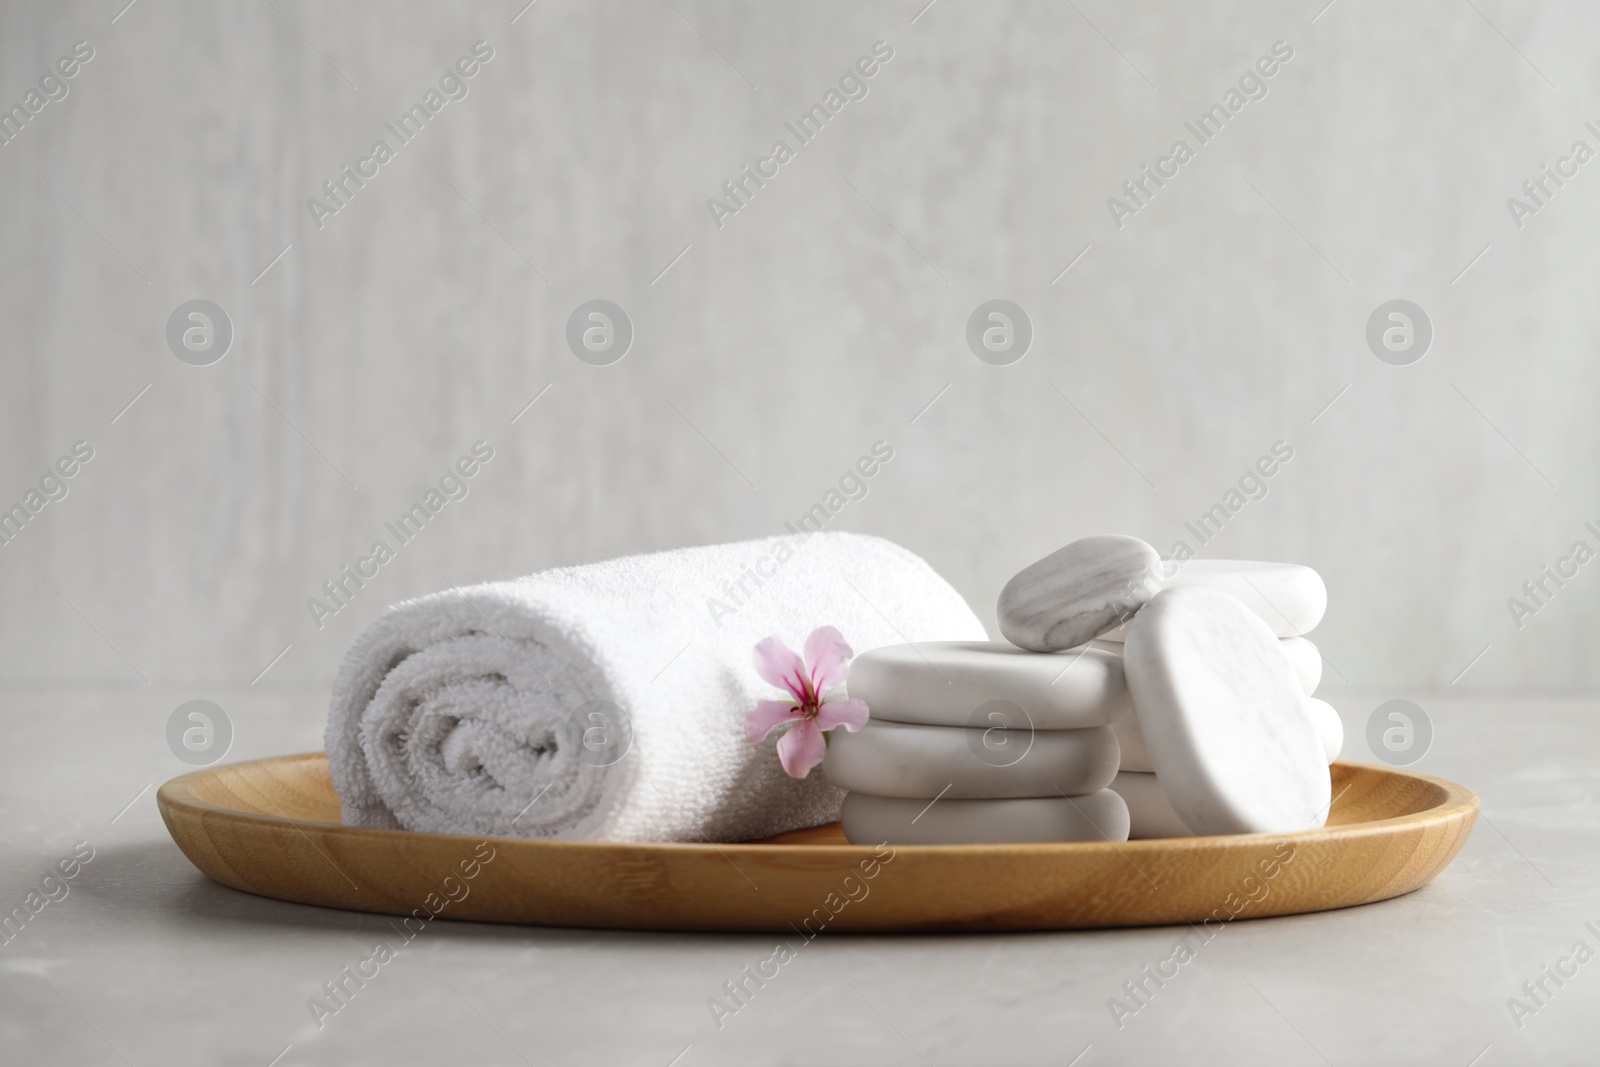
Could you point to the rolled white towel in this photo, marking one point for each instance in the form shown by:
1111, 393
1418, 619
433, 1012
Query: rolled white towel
608, 701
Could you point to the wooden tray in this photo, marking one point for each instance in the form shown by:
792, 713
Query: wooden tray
271, 827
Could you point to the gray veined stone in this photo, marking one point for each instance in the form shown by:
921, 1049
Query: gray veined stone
1079, 592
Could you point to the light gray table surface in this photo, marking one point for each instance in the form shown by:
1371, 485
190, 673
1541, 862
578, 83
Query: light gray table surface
146, 962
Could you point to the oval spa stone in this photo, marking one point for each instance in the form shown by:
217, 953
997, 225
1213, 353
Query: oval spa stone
1305, 659
1307, 663
956, 683
1330, 728
1136, 757
1079, 592
891, 759
1223, 717
1150, 814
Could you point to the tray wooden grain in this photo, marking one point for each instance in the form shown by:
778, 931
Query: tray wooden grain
271, 827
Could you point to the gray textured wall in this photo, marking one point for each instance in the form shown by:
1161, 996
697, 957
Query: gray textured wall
824, 316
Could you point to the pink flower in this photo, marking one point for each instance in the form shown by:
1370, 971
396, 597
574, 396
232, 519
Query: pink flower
802, 747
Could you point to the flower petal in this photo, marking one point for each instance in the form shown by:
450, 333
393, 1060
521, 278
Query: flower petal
778, 665
768, 716
851, 714
828, 655
801, 748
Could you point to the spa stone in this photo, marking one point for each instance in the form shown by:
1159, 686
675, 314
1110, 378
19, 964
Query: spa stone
1077, 593
964, 683
890, 759
1223, 717
1330, 728
1288, 597
1150, 814
1302, 656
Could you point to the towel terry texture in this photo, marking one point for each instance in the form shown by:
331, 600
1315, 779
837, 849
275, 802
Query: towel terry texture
607, 701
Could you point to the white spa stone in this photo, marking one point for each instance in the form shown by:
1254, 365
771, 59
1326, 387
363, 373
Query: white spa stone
1130, 742
870, 820
1330, 728
1136, 757
1303, 657
1306, 661
891, 759
1288, 597
1078, 592
963, 683
1223, 716
1150, 813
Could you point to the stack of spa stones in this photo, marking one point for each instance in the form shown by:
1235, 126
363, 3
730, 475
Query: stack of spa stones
976, 742
1137, 698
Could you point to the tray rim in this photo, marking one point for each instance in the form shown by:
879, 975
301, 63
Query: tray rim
177, 795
